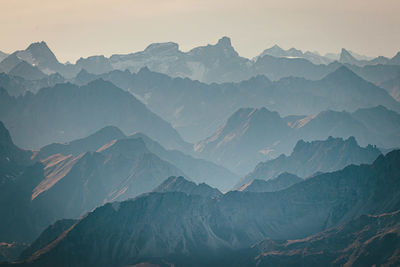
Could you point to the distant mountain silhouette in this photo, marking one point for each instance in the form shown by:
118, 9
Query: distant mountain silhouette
308, 158
199, 170
16, 85
282, 181
197, 109
67, 112
180, 184
244, 140
276, 51
253, 135
27, 71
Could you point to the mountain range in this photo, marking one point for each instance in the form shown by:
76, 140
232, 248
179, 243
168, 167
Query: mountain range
252, 135
196, 109
204, 157
67, 180
309, 158
282, 181
66, 112
231, 224
199, 170
211, 63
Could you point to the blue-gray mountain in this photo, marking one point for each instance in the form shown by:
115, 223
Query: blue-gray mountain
197, 169
181, 228
196, 109
309, 158
252, 135
66, 112
70, 179
282, 181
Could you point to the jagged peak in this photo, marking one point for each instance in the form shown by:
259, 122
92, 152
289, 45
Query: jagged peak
41, 44
224, 42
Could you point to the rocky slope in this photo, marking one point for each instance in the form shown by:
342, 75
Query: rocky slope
204, 226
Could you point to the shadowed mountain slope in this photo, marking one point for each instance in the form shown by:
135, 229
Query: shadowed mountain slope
204, 226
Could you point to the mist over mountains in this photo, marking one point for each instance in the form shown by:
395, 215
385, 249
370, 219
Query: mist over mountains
199, 158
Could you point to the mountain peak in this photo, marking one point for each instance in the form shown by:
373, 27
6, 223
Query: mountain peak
346, 57
342, 73
157, 48
42, 45
224, 42
180, 184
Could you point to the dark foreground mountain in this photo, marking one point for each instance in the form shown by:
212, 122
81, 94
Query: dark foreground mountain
365, 241
309, 158
67, 112
197, 109
193, 230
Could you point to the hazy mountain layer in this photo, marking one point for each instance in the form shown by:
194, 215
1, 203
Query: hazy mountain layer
180, 184
199, 170
196, 109
309, 158
253, 135
282, 181
67, 112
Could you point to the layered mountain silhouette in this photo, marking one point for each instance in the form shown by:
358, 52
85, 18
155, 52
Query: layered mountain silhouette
69, 186
292, 159
70, 179
180, 184
199, 170
313, 57
234, 222
197, 109
282, 181
66, 112
27, 71
212, 63
17, 85
253, 135
309, 158
38, 55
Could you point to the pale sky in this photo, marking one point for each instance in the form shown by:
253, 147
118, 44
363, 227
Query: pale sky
75, 28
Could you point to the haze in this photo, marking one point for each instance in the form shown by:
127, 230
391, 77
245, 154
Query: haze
82, 28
